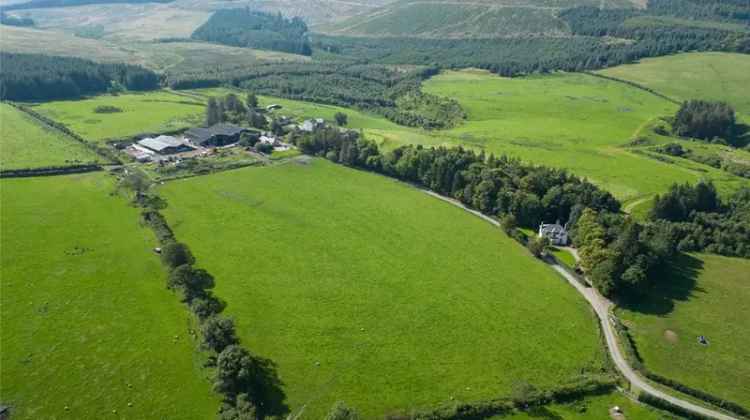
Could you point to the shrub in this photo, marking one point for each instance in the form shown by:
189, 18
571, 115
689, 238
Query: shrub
341, 412
107, 109
206, 306
176, 254
218, 333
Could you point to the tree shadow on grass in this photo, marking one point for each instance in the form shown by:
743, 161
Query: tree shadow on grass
542, 413
271, 399
674, 282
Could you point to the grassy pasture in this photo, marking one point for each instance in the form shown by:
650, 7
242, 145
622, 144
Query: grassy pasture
36, 41
24, 143
572, 121
87, 321
365, 290
592, 408
142, 113
712, 75
699, 295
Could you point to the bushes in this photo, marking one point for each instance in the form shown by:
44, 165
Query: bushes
175, 254
49, 171
107, 109
668, 406
726, 405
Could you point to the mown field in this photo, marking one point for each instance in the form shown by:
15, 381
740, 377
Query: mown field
24, 143
147, 112
87, 321
365, 290
713, 76
699, 295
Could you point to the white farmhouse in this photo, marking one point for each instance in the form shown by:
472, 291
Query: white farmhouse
556, 233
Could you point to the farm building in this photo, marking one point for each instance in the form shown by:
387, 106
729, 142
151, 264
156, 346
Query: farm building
140, 153
216, 135
556, 233
312, 125
165, 145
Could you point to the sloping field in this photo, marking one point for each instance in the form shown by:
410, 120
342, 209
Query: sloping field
35, 41
470, 19
714, 76
365, 290
141, 113
87, 323
573, 121
705, 295
24, 143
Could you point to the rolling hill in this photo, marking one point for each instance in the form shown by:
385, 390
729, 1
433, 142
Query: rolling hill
474, 19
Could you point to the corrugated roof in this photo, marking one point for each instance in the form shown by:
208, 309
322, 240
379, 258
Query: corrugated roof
160, 143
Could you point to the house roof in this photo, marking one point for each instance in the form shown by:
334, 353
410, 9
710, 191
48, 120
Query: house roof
160, 143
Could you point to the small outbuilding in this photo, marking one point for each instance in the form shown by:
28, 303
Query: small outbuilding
312, 125
556, 233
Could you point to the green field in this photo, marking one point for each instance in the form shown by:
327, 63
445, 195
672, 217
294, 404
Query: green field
142, 113
24, 143
572, 121
702, 295
713, 76
87, 321
365, 290
591, 408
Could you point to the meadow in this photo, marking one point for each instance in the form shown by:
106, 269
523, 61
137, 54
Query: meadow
366, 290
25, 143
699, 295
712, 76
148, 112
87, 321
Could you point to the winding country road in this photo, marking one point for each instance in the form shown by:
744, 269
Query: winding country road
602, 307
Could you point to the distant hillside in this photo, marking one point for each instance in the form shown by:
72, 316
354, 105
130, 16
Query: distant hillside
470, 19
253, 29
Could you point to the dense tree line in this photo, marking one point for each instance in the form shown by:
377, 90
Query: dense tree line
41, 4
718, 10
706, 120
15, 21
254, 29
32, 77
698, 220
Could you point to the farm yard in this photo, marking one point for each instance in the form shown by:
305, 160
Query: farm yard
701, 295
89, 329
365, 290
25, 143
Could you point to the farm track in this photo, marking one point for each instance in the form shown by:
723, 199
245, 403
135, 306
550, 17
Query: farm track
602, 307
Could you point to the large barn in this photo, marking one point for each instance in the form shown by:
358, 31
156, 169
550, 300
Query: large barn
165, 145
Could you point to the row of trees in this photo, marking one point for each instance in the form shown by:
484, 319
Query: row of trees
33, 77
699, 220
254, 29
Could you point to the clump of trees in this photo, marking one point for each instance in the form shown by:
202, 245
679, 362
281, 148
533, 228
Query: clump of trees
697, 219
33, 77
254, 29
15, 21
705, 120
231, 109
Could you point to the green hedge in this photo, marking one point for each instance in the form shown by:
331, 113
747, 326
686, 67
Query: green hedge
49, 171
668, 406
